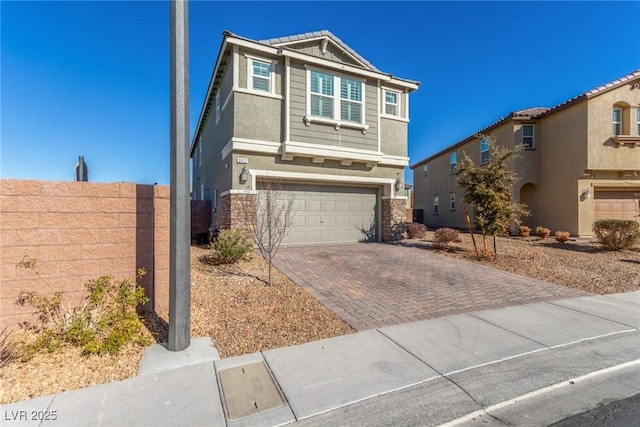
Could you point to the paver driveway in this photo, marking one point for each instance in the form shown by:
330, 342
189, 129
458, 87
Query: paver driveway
371, 285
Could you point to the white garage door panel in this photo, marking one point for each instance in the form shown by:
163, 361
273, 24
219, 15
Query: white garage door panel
617, 205
329, 214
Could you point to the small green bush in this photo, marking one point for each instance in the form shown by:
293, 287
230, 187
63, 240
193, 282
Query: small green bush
231, 246
415, 230
617, 234
543, 232
562, 236
444, 236
524, 231
104, 324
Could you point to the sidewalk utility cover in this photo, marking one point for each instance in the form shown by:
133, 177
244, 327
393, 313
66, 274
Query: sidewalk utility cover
248, 390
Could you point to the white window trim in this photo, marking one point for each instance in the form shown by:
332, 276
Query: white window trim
436, 204
217, 106
488, 150
272, 80
453, 165
336, 121
532, 136
398, 103
613, 123
638, 121
200, 153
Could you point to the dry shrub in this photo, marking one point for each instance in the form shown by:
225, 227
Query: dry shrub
10, 347
445, 236
617, 234
416, 230
524, 231
562, 236
543, 232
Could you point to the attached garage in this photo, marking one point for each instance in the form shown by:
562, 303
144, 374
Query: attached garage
329, 214
617, 204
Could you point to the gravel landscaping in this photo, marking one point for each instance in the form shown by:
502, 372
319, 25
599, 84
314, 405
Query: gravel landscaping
233, 305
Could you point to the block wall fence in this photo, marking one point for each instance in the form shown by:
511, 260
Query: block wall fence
78, 231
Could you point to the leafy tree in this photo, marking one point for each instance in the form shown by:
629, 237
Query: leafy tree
488, 189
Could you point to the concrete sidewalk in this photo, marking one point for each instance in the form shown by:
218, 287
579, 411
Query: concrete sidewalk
524, 365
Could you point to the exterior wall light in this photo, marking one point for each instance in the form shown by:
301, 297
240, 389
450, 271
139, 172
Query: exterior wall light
586, 193
398, 184
244, 175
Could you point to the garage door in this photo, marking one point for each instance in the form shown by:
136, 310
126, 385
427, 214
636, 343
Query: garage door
617, 205
329, 214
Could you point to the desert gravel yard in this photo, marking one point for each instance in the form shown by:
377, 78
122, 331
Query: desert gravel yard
243, 315
580, 264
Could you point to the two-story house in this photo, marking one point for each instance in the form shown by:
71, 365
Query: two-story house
581, 162
310, 115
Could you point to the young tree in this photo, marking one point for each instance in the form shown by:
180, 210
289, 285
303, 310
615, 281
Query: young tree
269, 220
488, 189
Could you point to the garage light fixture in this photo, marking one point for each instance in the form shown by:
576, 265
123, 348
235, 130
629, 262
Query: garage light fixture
586, 193
244, 175
398, 184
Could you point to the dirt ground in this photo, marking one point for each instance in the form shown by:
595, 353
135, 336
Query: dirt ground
233, 306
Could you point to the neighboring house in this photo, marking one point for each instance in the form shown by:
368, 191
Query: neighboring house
312, 115
581, 162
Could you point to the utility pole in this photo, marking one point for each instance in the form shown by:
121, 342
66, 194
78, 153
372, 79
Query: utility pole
180, 208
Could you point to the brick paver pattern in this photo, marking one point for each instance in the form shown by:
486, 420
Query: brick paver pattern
372, 285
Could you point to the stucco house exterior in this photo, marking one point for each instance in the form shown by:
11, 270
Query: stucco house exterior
310, 114
581, 162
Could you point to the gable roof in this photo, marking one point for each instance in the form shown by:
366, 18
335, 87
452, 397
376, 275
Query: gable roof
315, 35
536, 113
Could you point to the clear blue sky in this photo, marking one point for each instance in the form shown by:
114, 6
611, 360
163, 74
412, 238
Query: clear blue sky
92, 78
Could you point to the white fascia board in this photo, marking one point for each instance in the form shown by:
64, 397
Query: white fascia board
325, 63
330, 152
206, 98
387, 183
255, 145
253, 46
394, 160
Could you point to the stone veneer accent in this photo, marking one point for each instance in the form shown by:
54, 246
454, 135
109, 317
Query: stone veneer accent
233, 209
393, 218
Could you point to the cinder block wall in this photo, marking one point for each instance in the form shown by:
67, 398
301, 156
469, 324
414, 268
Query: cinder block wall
78, 231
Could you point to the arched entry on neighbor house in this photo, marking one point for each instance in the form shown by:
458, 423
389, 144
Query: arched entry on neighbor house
528, 197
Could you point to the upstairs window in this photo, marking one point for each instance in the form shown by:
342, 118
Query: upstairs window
527, 136
452, 162
391, 103
218, 106
485, 153
350, 100
617, 121
452, 200
260, 75
321, 94
425, 170
326, 102
436, 204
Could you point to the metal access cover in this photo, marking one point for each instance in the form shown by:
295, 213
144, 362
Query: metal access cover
248, 390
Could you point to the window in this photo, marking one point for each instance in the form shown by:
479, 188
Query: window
638, 121
391, 103
214, 203
201, 191
436, 204
617, 121
452, 200
485, 153
324, 102
321, 94
425, 170
350, 100
218, 106
200, 154
260, 75
452, 162
527, 136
